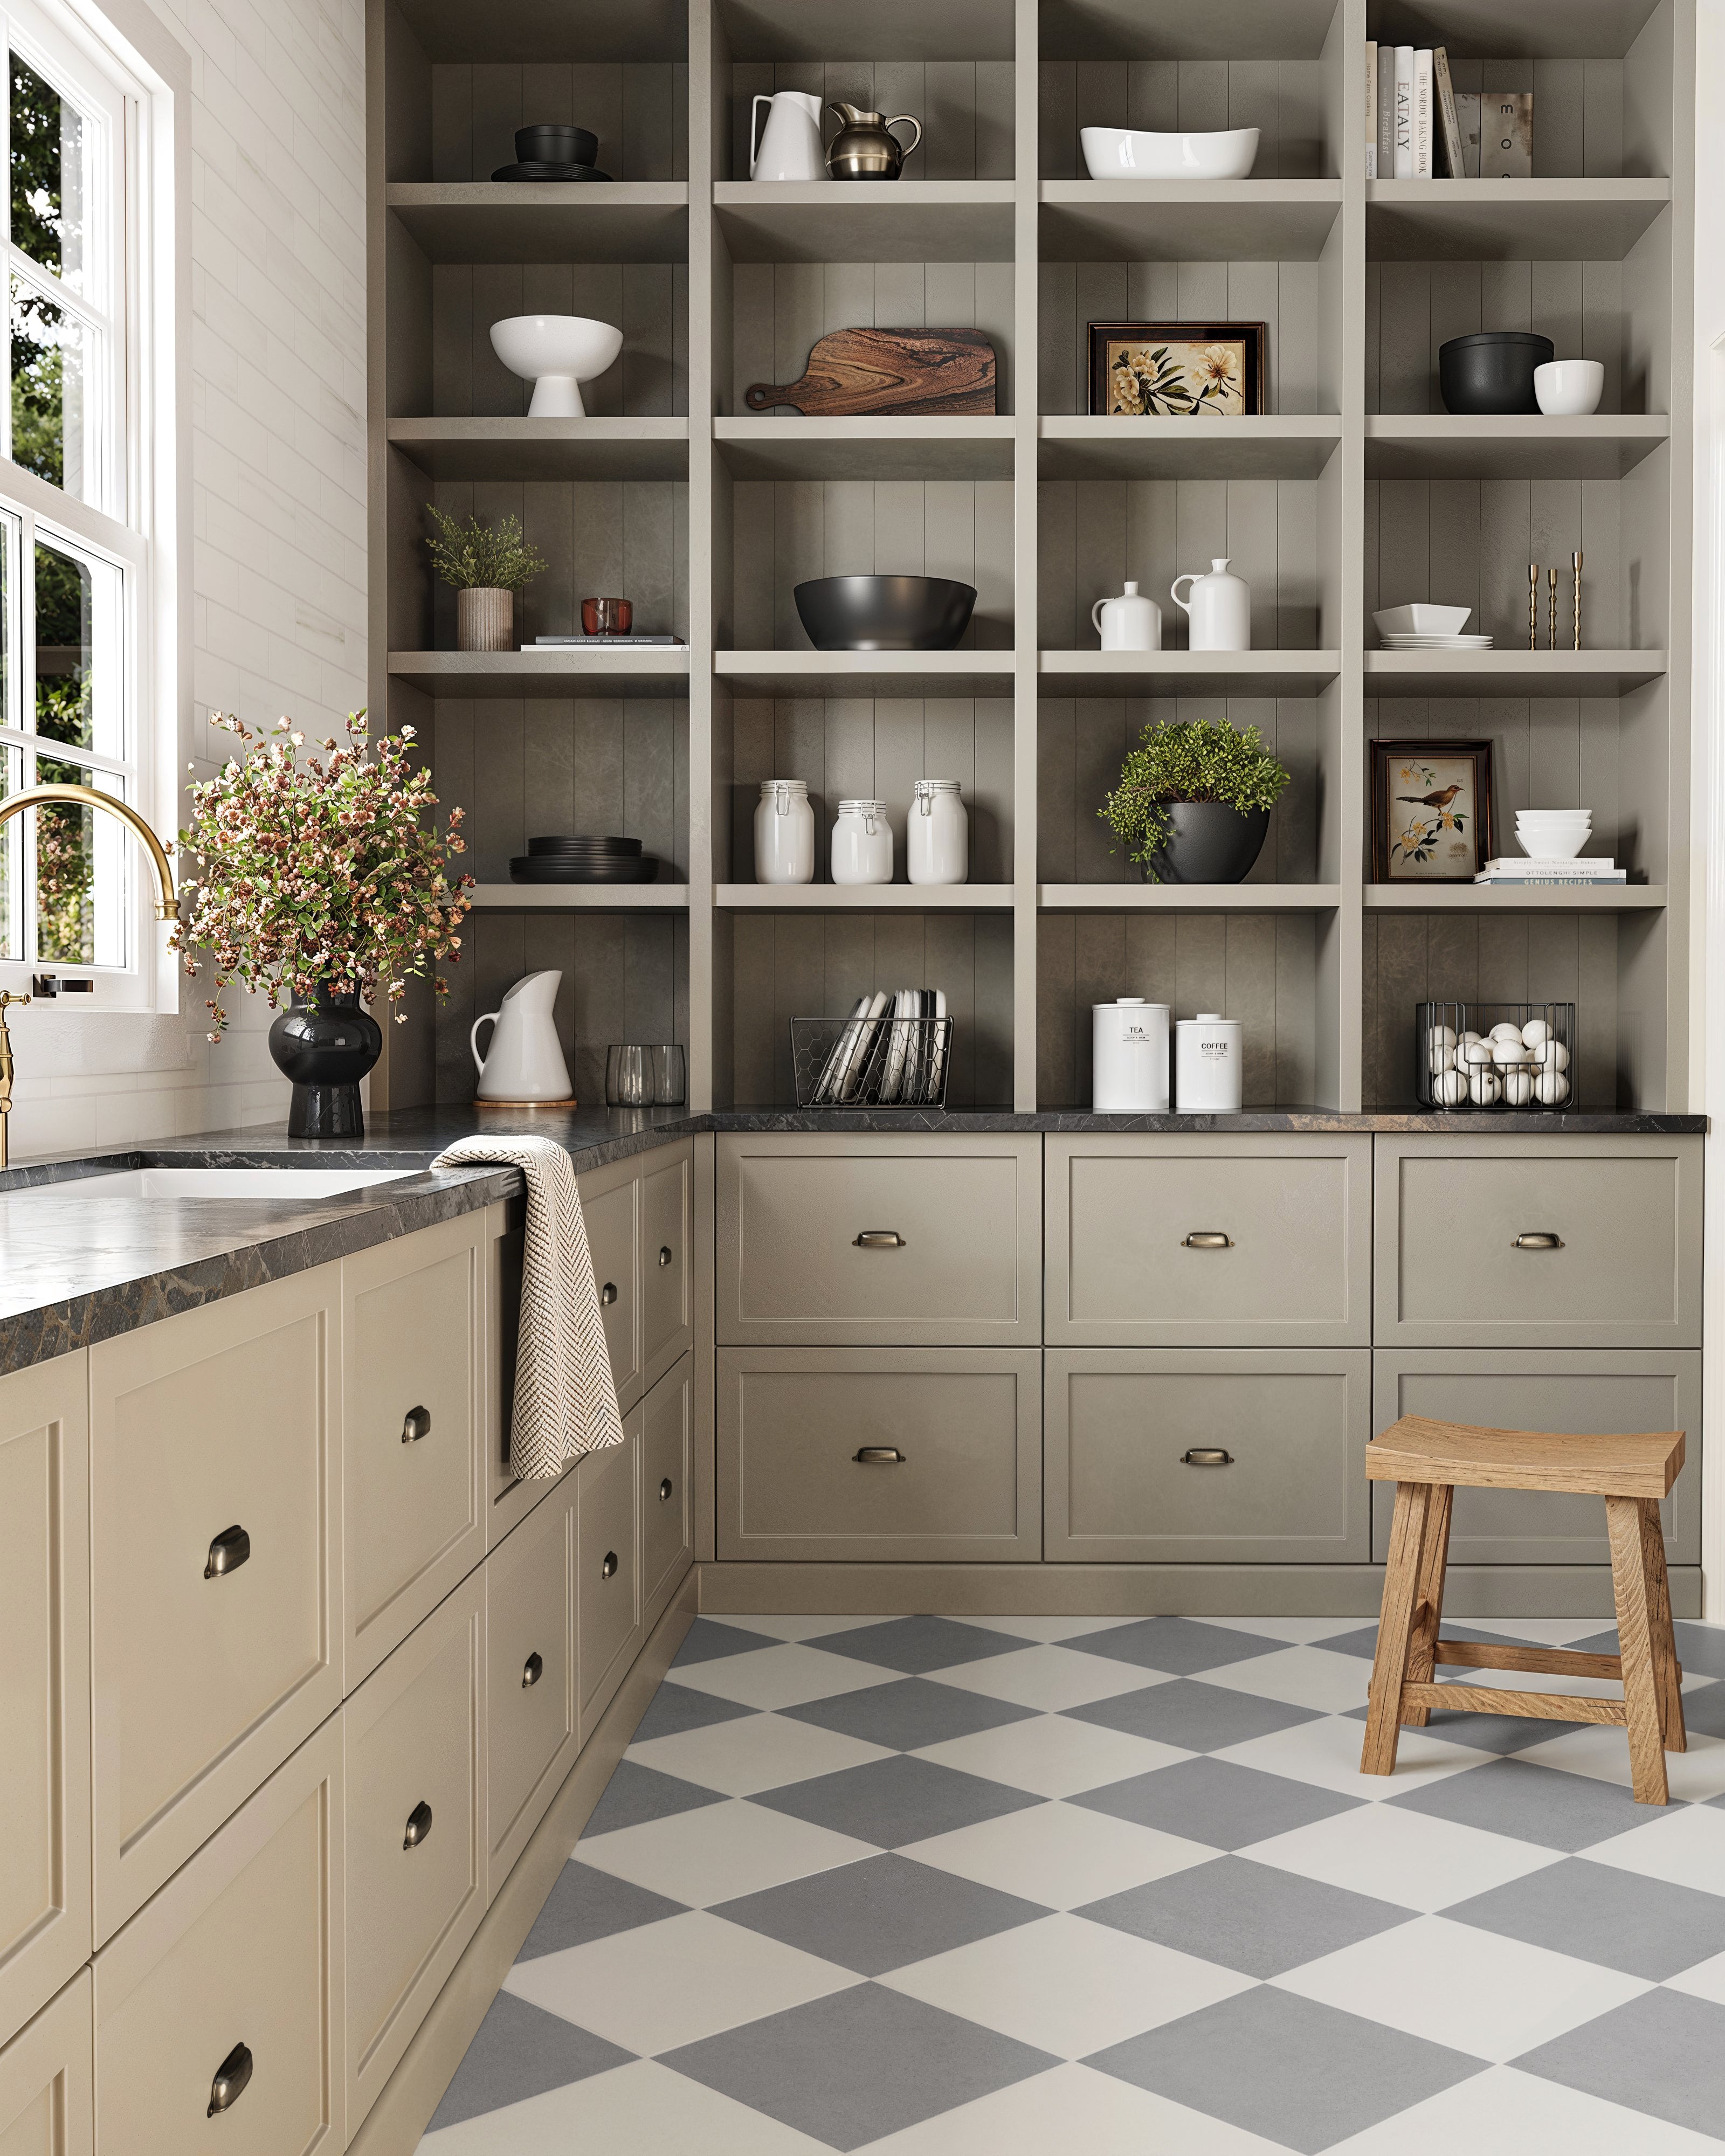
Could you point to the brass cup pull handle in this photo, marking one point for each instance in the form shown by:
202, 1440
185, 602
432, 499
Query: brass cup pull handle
227, 1553
1206, 1456
415, 1424
1207, 1239
664, 1491
879, 1455
233, 2079
608, 1294
418, 1827
531, 1671
664, 1256
607, 1570
878, 1238
1537, 1239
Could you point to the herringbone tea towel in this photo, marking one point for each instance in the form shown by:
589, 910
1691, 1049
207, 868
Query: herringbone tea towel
565, 1395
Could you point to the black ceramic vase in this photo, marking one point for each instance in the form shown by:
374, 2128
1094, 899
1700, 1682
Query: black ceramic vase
1208, 842
325, 1047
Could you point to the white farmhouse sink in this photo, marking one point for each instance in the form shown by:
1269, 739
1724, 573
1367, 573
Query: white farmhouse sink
281, 1186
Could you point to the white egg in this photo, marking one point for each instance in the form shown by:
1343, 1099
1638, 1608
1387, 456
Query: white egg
1552, 1055
1450, 1091
1506, 1032
1509, 1051
1442, 1036
1485, 1090
1553, 1088
1442, 1059
1474, 1052
1534, 1031
1470, 1034
1518, 1087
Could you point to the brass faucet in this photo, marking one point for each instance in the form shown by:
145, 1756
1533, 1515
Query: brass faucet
167, 905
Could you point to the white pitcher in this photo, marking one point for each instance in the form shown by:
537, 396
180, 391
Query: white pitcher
1129, 622
526, 1062
1219, 609
789, 147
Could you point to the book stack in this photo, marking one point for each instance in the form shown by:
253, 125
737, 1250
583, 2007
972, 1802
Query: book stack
1551, 874
1419, 126
600, 642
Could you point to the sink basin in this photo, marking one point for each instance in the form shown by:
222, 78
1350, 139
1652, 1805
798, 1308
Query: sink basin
281, 1186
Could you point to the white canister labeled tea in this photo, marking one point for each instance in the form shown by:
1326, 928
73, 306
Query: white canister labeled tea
1208, 1057
937, 842
862, 843
784, 832
1129, 1058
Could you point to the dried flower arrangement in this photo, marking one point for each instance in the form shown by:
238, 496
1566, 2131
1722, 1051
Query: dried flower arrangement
474, 557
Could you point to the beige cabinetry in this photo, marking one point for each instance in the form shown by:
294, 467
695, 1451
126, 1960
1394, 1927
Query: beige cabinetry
611, 1208
44, 1687
47, 2080
666, 1292
667, 1493
532, 1710
608, 1571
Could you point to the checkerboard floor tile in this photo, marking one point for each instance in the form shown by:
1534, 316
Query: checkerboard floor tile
925, 1887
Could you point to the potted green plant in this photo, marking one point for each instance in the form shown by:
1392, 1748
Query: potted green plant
1194, 801
484, 565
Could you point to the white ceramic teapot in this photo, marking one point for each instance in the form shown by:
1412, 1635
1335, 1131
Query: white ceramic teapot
526, 1062
789, 146
1129, 622
1219, 609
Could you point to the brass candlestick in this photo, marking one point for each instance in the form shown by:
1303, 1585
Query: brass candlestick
1575, 563
1551, 632
1532, 606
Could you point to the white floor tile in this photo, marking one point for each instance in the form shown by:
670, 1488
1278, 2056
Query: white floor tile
1051, 1628
795, 1628
1050, 1677
761, 1752
1504, 2112
1473, 1990
785, 1676
1692, 1776
1303, 1676
1060, 1854
1706, 1980
1327, 1754
1067, 1985
1072, 2111
1402, 1856
719, 1852
629, 2111
1052, 1756
1685, 1845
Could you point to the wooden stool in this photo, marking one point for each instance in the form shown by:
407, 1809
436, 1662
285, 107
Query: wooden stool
1427, 1461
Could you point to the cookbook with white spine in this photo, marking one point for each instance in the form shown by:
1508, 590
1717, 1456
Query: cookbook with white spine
1371, 108
1405, 112
1423, 135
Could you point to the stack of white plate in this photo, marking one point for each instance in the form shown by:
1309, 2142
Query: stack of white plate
1553, 835
1437, 644
1424, 628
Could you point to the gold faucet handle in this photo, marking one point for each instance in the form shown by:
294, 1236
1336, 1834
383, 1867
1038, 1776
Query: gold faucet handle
7, 1000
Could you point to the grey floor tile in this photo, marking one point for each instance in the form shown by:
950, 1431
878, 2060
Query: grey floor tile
1302, 2075
1536, 1804
1246, 1916
1700, 1648
1178, 1645
917, 1644
1364, 1642
909, 1713
859, 2065
892, 1801
1197, 1717
520, 2051
674, 1708
1704, 1709
1503, 1734
585, 1905
1644, 1927
1216, 1801
635, 1794
706, 1640
1663, 2053
881, 1914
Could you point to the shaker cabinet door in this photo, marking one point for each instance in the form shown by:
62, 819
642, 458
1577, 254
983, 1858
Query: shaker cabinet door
47, 2080
532, 1715
610, 1207
667, 1289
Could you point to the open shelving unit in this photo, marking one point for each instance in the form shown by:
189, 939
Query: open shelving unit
1354, 489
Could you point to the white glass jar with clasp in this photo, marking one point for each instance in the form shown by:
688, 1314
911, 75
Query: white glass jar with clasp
784, 832
937, 843
862, 843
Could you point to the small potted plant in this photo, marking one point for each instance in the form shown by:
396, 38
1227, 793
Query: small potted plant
484, 565
321, 880
1194, 801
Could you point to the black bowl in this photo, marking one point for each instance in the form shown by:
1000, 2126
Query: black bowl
609, 847
1492, 371
563, 868
555, 144
1208, 842
885, 614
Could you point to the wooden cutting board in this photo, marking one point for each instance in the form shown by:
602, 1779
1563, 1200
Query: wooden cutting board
904, 370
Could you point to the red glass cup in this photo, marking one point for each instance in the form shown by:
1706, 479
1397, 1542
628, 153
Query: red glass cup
606, 617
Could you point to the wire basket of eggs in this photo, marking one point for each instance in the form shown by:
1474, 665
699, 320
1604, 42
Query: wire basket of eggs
1510, 1058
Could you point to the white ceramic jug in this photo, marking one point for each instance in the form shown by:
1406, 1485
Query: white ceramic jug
1219, 609
789, 147
526, 1061
1129, 622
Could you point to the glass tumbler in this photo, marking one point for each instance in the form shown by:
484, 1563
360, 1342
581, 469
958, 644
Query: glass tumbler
628, 1076
670, 1075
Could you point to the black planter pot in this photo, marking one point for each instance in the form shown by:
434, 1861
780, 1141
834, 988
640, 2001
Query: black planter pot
1208, 842
1493, 370
325, 1047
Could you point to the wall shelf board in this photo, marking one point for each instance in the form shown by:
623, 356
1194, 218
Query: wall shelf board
919, 447
1186, 673
1505, 673
866, 220
1509, 220
1443, 445
866, 673
527, 30
544, 221
1186, 220
1296, 445
1188, 897
1485, 29
579, 898
558, 672
883, 30
1483, 898
545, 448
863, 898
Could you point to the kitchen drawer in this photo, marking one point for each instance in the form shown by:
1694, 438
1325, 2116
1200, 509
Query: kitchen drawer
1293, 1422
966, 1267
45, 1686
47, 2080
531, 1713
1603, 1392
959, 1435
667, 1509
412, 1326
1627, 1213
241, 1952
610, 1206
416, 1833
608, 1572
215, 1505
1124, 1270
667, 1285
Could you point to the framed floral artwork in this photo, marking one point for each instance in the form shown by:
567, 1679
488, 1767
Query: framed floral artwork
1177, 370
1433, 819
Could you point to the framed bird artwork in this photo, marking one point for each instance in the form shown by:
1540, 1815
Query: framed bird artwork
1433, 817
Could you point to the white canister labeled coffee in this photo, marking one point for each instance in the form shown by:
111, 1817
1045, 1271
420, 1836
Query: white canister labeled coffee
1208, 1060
1129, 1058
937, 839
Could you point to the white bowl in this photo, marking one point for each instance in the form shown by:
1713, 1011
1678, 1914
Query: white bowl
1421, 620
1570, 388
557, 353
1551, 846
1129, 153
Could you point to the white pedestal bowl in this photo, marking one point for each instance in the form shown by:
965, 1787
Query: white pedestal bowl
557, 353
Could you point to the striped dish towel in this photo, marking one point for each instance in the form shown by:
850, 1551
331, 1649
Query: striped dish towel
565, 1395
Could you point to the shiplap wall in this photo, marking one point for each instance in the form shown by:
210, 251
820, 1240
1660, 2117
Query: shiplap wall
1412, 308
1578, 111
639, 112
965, 106
1283, 99
1259, 967
647, 300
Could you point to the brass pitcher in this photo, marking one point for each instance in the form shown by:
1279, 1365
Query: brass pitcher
863, 149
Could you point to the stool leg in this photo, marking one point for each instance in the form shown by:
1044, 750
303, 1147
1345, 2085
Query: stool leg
1429, 1604
1395, 1626
1665, 1640
1635, 1640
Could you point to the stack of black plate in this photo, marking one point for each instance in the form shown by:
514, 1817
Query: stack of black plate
554, 153
584, 860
